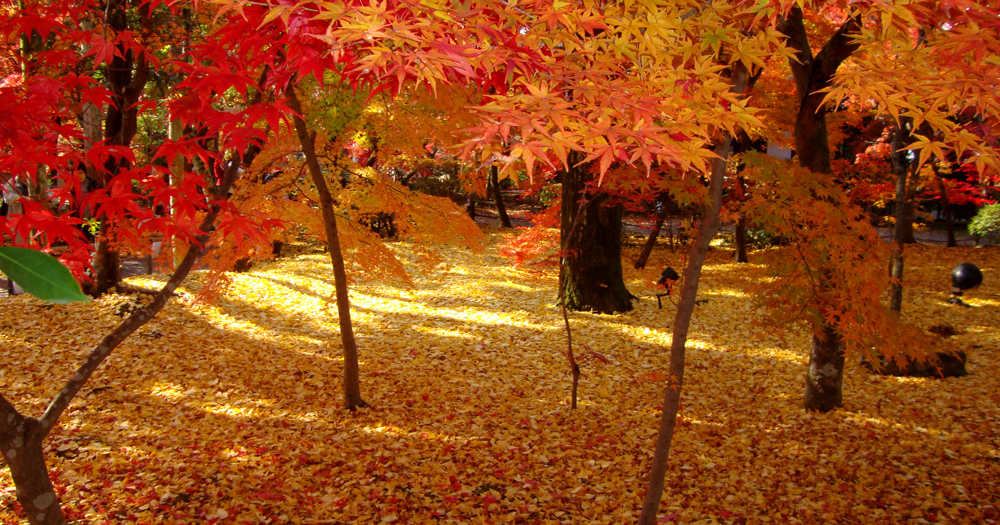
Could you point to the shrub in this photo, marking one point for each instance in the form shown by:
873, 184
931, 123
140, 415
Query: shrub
986, 223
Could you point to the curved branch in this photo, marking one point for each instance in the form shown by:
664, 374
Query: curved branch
138, 318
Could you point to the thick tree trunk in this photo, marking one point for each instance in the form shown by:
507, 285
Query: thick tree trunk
352, 383
107, 268
498, 197
682, 321
592, 277
825, 377
21, 442
812, 75
661, 217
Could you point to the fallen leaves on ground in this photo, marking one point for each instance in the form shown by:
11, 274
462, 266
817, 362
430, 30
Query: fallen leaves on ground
231, 413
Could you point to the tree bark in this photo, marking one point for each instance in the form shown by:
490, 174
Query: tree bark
741, 240
21, 441
812, 74
591, 278
949, 218
126, 76
661, 217
470, 206
904, 221
825, 376
741, 229
682, 322
352, 383
498, 197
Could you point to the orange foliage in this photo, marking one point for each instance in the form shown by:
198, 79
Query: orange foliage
829, 235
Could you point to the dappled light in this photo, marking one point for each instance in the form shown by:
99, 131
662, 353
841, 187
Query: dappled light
231, 412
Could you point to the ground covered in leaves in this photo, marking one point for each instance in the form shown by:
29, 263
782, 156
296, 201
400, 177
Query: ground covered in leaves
232, 413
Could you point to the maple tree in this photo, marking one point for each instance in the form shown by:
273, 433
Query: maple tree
876, 35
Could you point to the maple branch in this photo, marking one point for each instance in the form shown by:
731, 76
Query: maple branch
140, 317
696, 10
808, 269
813, 73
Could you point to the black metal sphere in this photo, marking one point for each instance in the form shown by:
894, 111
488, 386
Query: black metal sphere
966, 276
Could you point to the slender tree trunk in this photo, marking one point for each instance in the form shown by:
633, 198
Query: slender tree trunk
175, 131
498, 197
591, 279
813, 74
352, 384
949, 218
661, 217
741, 223
904, 221
470, 206
741, 240
682, 321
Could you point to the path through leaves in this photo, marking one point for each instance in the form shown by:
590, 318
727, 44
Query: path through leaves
231, 413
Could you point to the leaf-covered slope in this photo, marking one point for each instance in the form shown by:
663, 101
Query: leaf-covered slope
231, 413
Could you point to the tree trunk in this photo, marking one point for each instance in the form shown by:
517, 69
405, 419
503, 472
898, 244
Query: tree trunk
107, 267
498, 197
741, 240
904, 221
591, 278
126, 76
812, 75
21, 442
661, 217
352, 383
741, 225
949, 218
175, 131
682, 321
825, 377
470, 206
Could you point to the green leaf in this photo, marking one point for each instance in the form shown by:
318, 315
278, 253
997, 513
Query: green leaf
41, 275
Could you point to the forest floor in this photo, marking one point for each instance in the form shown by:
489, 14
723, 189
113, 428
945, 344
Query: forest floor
231, 413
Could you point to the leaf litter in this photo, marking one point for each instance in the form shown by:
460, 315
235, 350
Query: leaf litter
231, 413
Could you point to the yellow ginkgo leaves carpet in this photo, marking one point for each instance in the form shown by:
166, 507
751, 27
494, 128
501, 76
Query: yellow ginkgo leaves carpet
232, 413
